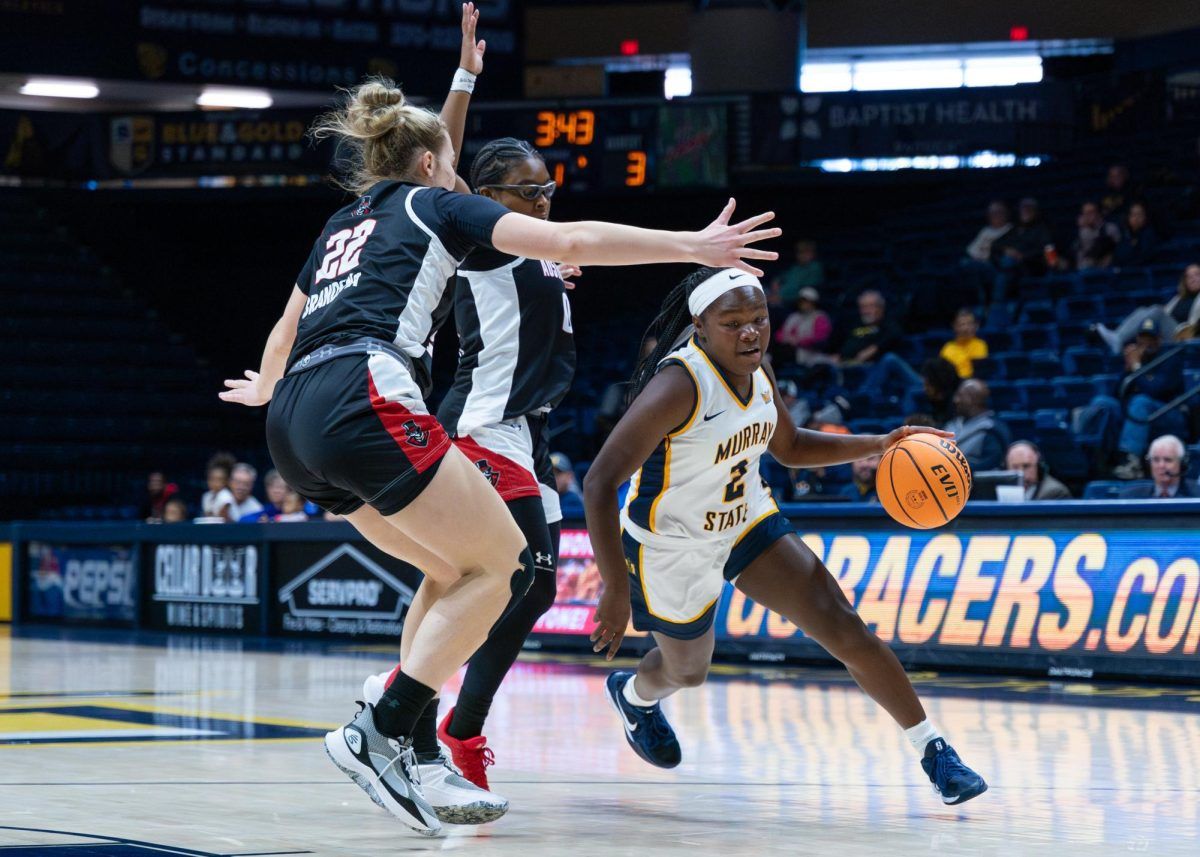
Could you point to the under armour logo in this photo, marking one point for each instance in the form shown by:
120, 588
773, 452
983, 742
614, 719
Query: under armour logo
354, 740
540, 558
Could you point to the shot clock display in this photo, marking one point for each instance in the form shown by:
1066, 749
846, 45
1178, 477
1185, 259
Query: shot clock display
613, 148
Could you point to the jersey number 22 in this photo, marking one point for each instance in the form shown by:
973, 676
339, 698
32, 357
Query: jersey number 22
344, 248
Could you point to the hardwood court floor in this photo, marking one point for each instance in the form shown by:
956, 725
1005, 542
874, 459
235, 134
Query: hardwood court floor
203, 746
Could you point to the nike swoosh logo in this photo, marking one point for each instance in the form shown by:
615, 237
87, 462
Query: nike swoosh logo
712, 416
734, 276
630, 726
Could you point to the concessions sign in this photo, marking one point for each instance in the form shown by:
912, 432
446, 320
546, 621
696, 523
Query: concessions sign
339, 589
201, 587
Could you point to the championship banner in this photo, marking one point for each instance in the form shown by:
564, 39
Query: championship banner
199, 587
1066, 599
316, 45
94, 584
338, 589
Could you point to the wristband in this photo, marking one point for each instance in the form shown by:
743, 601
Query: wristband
464, 81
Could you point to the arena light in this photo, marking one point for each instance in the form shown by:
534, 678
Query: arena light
234, 97
826, 77
52, 88
1002, 70
677, 82
908, 74
984, 160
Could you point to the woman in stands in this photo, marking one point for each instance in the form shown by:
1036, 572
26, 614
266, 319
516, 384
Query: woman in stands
516, 361
344, 372
705, 410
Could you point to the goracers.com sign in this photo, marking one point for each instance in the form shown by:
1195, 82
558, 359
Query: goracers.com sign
1115, 593
202, 587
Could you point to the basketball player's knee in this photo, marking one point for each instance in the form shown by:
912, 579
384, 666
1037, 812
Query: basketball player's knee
689, 675
540, 596
854, 643
522, 578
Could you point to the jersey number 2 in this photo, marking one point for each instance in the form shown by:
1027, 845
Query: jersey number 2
736, 488
344, 248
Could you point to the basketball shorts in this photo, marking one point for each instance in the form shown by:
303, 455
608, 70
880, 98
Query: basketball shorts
355, 430
514, 455
675, 583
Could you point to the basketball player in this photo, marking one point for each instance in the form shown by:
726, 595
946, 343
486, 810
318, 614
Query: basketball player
516, 361
344, 372
698, 514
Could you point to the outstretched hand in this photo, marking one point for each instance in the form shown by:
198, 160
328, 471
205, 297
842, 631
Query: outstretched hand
566, 269
470, 56
725, 245
245, 391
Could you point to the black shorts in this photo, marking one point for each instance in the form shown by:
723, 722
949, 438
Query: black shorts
355, 430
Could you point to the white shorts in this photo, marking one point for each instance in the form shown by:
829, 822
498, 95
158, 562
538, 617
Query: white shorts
515, 457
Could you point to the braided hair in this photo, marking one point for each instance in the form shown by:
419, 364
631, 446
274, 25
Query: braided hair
497, 157
672, 320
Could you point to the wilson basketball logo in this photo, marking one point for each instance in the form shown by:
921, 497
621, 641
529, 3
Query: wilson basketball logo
915, 499
923, 481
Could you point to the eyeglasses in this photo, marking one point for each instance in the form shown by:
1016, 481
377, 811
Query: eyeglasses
528, 192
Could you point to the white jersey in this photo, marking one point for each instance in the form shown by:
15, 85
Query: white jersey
702, 481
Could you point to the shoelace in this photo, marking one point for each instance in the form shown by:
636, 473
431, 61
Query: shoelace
476, 761
407, 759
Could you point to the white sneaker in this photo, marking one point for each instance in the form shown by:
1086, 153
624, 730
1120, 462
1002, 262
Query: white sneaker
373, 687
454, 798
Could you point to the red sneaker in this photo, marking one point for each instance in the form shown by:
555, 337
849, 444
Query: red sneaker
471, 756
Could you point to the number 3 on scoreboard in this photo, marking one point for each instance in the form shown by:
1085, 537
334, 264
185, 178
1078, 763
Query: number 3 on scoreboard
344, 248
635, 168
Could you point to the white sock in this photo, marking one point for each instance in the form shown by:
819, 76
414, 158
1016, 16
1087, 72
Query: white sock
631, 695
920, 735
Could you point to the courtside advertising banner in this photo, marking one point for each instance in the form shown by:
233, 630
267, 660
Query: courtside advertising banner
1068, 600
201, 587
82, 583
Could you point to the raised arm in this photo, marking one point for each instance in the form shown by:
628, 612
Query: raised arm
256, 388
589, 242
799, 447
470, 65
665, 405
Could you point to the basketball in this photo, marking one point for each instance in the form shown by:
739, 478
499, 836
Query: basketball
923, 481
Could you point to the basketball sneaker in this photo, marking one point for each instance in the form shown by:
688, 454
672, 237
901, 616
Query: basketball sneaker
470, 755
951, 779
385, 768
374, 686
646, 729
455, 799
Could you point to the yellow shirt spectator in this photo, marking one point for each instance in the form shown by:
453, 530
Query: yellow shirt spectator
962, 352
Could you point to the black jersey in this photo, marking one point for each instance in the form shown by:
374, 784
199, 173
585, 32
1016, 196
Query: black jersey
383, 266
517, 350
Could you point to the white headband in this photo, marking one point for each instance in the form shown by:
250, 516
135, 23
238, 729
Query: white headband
718, 284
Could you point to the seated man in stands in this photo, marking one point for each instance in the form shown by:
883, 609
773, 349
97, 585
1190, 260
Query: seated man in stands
1147, 392
1095, 240
1022, 250
874, 336
1119, 192
977, 265
1168, 468
862, 489
981, 437
1178, 318
966, 346
1025, 457
569, 493
241, 483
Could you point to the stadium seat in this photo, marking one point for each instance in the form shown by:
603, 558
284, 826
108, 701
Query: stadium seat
1038, 312
1084, 360
1044, 364
1108, 489
1035, 337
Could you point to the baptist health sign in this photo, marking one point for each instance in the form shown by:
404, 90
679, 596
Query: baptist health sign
1115, 593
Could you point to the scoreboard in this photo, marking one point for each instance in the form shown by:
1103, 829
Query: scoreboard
620, 149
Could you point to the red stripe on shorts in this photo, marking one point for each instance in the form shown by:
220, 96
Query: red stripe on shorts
420, 436
510, 479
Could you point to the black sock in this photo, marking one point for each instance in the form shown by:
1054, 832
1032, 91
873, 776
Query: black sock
469, 713
425, 740
397, 713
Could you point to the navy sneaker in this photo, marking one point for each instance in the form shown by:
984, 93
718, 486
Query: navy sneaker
953, 780
646, 729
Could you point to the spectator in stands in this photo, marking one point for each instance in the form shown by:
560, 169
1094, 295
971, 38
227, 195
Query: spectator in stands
1178, 318
806, 272
862, 489
1167, 459
1119, 192
977, 263
241, 483
1095, 240
966, 345
1020, 251
175, 511
158, 492
799, 409
1138, 238
569, 493
1024, 456
292, 506
218, 499
1147, 389
806, 483
612, 400
806, 330
875, 335
981, 437
940, 381
277, 492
